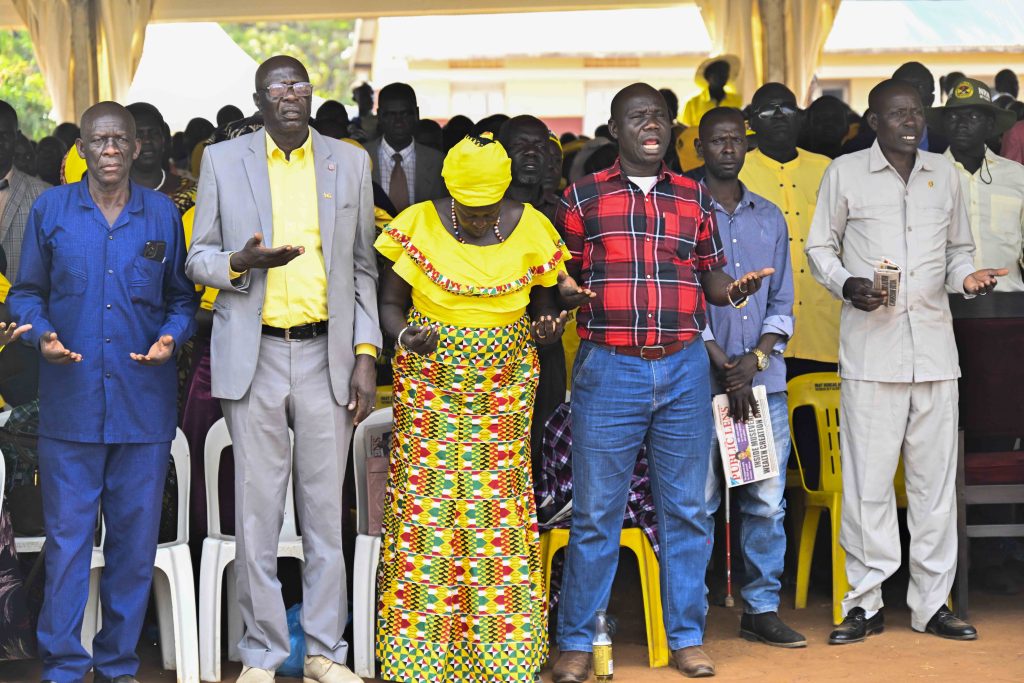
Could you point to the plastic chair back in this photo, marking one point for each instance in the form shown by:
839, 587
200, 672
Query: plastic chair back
217, 439
372, 442
819, 391
183, 471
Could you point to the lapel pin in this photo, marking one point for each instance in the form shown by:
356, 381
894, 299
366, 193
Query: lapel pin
931, 183
328, 195
330, 167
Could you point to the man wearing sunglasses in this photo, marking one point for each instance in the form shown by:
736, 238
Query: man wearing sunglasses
789, 177
284, 229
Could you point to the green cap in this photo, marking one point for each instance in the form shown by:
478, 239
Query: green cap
969, 92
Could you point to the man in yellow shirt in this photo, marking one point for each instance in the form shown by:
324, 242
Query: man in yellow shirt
715, 77
284, 230
789, 178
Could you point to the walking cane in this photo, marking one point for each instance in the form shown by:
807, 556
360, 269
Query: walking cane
729, 602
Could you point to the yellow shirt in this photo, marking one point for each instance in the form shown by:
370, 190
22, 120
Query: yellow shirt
5, 287
466, 285
701, 103
296, 292
793, 187
994, 196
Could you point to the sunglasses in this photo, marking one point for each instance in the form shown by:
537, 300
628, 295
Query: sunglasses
278, 90
770, 110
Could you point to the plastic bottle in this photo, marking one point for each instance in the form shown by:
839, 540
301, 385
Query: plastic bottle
604, 666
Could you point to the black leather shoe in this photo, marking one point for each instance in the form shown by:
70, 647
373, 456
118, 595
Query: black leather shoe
768, 628
947, 625
98, 678
856, 627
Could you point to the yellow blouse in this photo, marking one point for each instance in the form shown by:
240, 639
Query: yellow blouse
467, 285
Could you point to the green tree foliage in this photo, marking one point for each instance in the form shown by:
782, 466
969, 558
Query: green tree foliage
323, 46
22, 85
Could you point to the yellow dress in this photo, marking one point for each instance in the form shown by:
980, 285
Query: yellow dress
460, 582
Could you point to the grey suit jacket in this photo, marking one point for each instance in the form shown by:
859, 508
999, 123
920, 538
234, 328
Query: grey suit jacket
24, 189
428, 183
234, 202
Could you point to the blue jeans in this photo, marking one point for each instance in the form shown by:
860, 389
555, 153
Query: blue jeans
762, 510
618, 403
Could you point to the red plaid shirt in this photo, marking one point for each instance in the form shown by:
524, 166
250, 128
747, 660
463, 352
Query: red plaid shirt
640, 255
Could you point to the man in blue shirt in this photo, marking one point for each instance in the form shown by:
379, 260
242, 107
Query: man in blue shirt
745, 346
102, 283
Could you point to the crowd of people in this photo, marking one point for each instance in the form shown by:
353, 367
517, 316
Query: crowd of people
275, 269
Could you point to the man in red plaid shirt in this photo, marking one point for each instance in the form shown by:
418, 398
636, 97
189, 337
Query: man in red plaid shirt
644, 240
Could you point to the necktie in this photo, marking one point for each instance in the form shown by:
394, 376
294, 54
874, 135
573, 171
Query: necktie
399, 190
4, 182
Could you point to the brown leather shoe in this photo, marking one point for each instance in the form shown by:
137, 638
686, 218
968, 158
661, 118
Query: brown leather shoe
572, 667
693, 662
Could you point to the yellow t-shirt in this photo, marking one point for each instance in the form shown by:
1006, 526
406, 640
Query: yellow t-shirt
467, 285
793, 187
701, 103
5, 287
296, 292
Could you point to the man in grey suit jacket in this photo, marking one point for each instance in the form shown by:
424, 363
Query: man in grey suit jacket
408, 171
284, 229
17, 192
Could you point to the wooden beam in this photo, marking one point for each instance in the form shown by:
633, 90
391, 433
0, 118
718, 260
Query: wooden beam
85, 88
773, 19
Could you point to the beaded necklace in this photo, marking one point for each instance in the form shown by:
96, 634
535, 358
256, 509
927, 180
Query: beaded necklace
458, 235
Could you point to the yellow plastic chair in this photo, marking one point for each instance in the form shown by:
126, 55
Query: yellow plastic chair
650, 583
820, 391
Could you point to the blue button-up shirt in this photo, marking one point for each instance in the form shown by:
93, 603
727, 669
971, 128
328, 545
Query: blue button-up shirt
88, 281
755, 237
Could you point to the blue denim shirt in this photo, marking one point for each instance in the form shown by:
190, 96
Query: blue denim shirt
89, 282
755, 237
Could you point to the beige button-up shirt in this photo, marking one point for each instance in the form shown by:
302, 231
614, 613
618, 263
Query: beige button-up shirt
995, 206
866, 213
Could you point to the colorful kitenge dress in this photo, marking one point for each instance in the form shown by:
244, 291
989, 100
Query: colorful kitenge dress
460, 581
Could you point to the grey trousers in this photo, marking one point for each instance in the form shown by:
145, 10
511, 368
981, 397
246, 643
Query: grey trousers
878, 421
291, 389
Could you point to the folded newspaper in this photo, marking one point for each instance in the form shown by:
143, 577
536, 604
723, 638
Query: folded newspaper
747, 448
887, 278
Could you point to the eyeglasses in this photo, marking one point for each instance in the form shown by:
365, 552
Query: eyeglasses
770, 110
276, 91
973, 115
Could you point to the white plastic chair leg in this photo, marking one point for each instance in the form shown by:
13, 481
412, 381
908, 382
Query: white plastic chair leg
92, 619
176, 611
235, 626
364, 608
216, 553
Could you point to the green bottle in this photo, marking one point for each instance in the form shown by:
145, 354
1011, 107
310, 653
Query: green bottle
604, 666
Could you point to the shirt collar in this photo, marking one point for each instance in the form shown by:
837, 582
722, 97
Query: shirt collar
275, 152
134, 204
747, 201
615, 171
991, 157
878, 162
390, 151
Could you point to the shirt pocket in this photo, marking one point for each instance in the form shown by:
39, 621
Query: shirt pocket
1006, 222
678, 240
69, 274
146, 282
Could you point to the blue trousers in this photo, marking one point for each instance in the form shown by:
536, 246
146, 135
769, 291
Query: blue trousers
126, 481
618, 403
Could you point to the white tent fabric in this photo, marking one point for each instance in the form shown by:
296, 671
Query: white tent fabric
190, 70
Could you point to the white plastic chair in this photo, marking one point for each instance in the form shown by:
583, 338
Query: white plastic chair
217, 564
372, 440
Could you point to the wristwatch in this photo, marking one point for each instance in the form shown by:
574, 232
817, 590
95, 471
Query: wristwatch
762, 359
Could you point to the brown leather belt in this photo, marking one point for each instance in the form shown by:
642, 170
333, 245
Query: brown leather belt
651, 352
299, 332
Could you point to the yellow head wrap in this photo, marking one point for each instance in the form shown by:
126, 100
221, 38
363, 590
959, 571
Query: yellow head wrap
72, 169
554, 139
477, 171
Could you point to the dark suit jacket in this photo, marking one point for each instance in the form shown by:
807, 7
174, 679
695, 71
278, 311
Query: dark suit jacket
24, 189
428, 183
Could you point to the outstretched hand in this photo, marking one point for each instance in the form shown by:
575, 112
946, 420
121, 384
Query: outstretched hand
547, 329
983, 281
571, 294
159, 353
748, 284
54, 352
255, 255
10, 332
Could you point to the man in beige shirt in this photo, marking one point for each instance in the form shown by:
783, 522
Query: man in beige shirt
898, 362
993, 186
